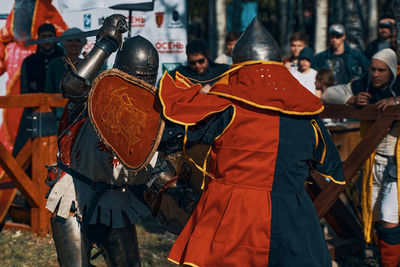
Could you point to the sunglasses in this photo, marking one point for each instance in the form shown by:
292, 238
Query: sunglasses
385, 25
194, 62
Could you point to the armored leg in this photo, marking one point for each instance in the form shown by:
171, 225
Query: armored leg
71, 244
119, 245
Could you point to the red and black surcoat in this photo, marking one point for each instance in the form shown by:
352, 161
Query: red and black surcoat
255, 211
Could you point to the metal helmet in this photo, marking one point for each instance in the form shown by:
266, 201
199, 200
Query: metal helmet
139, 58
256, 44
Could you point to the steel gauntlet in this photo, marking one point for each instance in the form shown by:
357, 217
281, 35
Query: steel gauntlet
167, 171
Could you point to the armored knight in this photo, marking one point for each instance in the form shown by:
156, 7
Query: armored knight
92, 196
254, 210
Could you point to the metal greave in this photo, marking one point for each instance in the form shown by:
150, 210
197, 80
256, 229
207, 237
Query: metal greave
73, 247
120, 245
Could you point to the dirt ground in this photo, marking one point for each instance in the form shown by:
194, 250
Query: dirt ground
21, 248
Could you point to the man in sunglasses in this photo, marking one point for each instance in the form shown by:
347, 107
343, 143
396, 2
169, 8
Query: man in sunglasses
199, 68
346, 63
386, 33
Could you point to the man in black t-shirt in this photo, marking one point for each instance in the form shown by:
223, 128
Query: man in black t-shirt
33, 77
346, 63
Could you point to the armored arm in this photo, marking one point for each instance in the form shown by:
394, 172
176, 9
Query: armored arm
77, 80
171, 175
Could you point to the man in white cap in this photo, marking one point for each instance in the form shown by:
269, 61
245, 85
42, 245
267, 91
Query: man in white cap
346, 63
380, 203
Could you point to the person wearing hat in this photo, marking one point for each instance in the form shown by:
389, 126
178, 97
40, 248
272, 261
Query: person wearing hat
386, 31
57, 66
380, 196
33, 76
346, 63
304, 73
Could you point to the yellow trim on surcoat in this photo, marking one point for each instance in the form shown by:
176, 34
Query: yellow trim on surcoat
180, 77
316, 137
173, 261
185, 263
190, 264
204, 168
331, 178
251, 103
181, 122
319, 134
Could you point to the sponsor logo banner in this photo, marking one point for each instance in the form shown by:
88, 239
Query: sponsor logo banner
138, 22
176, 20
170, 46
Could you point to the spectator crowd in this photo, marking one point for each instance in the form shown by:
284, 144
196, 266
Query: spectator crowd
340, 75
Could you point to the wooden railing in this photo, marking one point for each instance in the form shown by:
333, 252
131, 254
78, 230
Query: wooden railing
328, 199
379, 129
39, 151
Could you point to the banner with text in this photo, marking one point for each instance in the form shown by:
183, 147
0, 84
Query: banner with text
165, 27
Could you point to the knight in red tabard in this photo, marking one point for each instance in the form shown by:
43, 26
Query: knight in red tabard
265, 136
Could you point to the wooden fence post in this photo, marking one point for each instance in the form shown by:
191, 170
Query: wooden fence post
44, 150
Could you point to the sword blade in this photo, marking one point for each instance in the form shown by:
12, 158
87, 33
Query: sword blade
62, 38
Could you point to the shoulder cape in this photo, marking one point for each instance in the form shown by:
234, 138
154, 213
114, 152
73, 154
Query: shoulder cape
261, 84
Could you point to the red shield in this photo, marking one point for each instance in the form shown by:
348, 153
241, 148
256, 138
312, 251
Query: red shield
126, 115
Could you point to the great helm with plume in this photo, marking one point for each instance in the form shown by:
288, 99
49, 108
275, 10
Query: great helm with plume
139, 58
256, 44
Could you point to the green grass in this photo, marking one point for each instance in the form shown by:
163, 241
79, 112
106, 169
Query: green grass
22, 248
